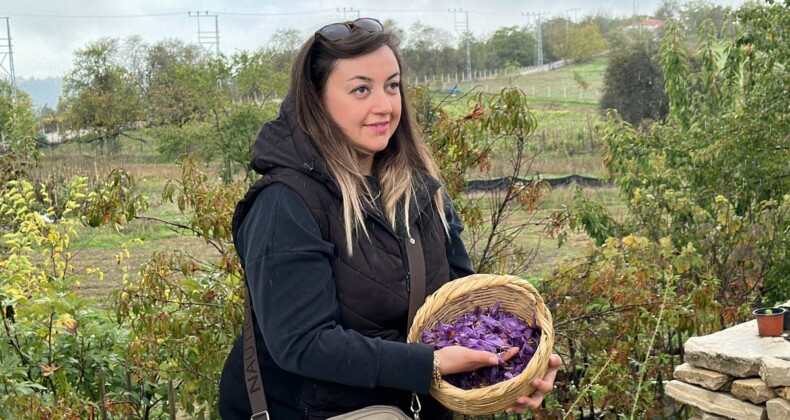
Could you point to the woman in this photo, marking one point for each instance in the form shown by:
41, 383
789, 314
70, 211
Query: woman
347, 181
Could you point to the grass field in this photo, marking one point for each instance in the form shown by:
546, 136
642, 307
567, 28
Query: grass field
101, 248
564, 102
575, 83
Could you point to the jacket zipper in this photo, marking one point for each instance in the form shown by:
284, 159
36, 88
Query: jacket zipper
404, 256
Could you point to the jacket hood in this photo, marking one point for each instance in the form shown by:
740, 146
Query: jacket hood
282, 144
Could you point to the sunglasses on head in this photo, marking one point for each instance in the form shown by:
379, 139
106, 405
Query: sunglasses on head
338, 31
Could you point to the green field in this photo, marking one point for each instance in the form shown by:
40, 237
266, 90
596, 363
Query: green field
575, 83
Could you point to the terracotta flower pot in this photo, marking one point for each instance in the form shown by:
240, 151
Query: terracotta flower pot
770, 321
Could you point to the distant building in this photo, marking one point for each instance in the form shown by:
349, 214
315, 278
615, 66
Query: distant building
58, 137
652, 25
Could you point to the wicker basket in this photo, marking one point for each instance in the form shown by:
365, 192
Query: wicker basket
516, 296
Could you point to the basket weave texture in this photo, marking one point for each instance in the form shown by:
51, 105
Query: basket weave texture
463, 295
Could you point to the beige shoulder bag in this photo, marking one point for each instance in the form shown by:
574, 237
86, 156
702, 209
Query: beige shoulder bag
374, 412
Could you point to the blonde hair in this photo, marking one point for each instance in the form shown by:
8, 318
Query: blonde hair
395, 167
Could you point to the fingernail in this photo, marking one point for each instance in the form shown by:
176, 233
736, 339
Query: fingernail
493, 360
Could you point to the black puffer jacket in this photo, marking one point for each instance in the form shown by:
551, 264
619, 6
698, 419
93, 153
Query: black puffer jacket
334, 325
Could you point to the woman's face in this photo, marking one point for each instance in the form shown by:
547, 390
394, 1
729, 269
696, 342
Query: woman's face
362, 95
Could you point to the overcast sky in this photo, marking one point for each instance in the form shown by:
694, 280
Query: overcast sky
45, 33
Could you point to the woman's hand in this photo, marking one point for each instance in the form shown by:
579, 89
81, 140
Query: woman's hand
457, 359
542, 388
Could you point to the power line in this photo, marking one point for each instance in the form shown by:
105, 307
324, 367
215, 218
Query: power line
242, 14
52, 16
421, 11
428, 11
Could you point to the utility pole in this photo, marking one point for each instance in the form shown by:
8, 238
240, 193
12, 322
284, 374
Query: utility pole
538, 35
206, 37
636, 16
6, 52
463, 25
349, 11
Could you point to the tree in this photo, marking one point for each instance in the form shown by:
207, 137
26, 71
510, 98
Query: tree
482, 55
694, 12
100, 95
392, 25
668, 9
261, 76
59, 354
609, 27
634, 85
555, 39
170, 95
17, 132
705, 239
584, 42
714, 175
206, 91
426, 51
512, 45
133, 57
285, 40
17, 125
223, 103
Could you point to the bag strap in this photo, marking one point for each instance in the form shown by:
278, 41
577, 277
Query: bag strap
416, 285
252, 370
416, 275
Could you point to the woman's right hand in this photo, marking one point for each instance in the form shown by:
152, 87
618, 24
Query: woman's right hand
457, 359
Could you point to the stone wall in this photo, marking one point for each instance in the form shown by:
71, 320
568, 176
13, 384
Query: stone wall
735, 374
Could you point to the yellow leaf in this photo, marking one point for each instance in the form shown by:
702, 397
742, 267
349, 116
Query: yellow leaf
47, 370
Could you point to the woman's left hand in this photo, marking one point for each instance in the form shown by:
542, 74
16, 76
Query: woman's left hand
542, 388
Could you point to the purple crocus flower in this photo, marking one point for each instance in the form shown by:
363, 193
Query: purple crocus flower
490, 330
